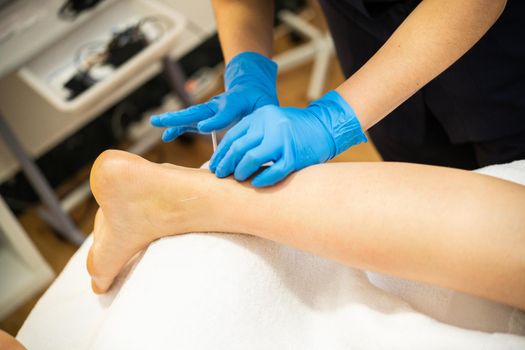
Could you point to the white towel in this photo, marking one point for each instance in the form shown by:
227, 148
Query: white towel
229, 291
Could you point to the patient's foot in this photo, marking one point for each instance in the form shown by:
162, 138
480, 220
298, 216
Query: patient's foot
139, 202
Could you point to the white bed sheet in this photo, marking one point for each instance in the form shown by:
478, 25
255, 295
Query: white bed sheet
229, 291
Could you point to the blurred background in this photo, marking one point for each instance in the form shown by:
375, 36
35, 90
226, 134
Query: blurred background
79, 77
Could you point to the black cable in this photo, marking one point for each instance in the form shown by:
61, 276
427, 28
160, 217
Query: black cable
72, 8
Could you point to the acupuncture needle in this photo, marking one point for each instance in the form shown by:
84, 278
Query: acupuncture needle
214, 140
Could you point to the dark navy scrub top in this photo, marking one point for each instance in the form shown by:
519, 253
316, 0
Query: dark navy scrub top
481, 97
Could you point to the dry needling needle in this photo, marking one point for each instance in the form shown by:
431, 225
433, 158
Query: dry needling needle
214, 140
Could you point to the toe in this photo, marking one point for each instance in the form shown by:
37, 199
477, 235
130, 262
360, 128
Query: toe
103, 268
97, 259
108, 254
97, 284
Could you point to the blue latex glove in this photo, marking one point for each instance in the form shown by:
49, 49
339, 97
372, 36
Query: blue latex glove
292, 138
249, 81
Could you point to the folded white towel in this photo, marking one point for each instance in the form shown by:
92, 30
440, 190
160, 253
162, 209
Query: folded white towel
229, 291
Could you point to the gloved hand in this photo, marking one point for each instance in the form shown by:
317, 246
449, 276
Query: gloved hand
293, 138
249, 81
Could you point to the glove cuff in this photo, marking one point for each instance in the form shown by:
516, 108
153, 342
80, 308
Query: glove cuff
251, 67
340, 121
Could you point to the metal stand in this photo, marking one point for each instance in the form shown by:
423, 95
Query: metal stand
318, 49
54, 215
176, 79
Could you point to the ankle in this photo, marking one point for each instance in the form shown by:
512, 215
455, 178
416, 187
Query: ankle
227, 204
187, 199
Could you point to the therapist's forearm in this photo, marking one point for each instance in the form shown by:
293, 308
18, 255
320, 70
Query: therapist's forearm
431, 39
244, 25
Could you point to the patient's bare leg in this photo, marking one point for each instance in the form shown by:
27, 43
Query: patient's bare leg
448, 227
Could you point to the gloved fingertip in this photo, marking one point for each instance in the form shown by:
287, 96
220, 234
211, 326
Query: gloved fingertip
167, 135
240, 177
262, 180
155, 120
213, 162
258, 183
204, 127
220, 174
223, 170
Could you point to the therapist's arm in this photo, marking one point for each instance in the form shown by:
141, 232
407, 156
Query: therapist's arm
244, 25
432, 38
